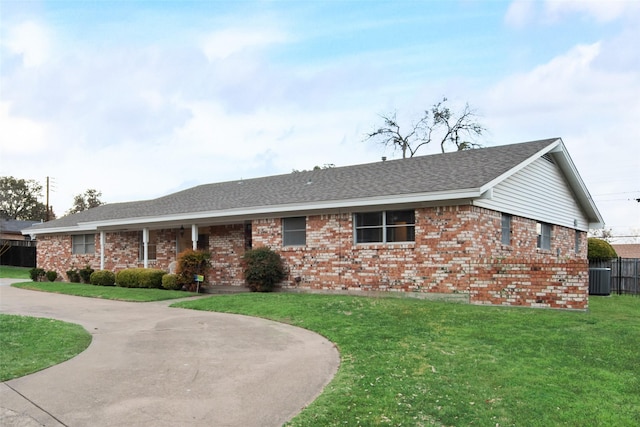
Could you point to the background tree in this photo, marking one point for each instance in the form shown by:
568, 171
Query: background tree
439, 124
19, 199
87, 200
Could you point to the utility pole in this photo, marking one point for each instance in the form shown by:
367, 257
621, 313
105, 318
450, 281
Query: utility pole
47, 215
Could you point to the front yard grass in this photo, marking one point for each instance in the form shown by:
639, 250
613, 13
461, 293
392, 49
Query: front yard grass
9, 272
30, 344
418, 363
105, 292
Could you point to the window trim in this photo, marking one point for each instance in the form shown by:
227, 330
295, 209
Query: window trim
152, 246
384, 227
543, 241
506, 224
291, 233
87, 242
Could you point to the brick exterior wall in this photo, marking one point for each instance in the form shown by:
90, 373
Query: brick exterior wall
456, 250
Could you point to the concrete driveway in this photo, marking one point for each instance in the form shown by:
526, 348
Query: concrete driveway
151, 365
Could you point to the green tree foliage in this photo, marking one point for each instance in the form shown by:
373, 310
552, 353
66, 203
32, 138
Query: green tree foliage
600, 249
19, 200
87, 200
440, 124
263, 269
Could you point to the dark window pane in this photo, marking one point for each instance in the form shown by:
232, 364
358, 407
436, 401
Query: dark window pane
294, 231
369, 235
401, 217
401, 234
369, 219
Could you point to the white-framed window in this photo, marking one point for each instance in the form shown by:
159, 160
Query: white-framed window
506, 229
83, 244
544, 235
153, 240
384, 226
294, 231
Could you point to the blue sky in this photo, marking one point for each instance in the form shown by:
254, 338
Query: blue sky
139, 99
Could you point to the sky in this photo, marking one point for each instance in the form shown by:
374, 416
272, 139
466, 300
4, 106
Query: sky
141, 99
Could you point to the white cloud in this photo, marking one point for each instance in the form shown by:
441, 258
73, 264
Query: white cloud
225, 43
599, 10
519, 13
30, 40
20, 135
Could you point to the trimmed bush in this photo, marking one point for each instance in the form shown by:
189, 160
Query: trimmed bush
73, 276
103, 278
140, 278
170, 281
85, 274
37, 274
263, 269
52, 275
600, 249
190, 264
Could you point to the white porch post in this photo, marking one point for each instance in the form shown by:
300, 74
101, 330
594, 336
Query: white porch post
145, 245
194, 236
103, 240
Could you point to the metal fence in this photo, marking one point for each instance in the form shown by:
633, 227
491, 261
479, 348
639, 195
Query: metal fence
625, 274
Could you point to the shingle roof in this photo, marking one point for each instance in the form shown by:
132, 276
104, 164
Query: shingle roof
446, 172
14, 226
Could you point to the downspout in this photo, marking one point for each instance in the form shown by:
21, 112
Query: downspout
194, 236
145, 245
102, 244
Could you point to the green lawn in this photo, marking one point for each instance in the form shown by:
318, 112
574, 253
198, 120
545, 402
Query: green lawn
10, 272
105, 292
29, 344
412, 362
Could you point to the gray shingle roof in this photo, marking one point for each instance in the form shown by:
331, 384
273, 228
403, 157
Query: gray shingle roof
424, 174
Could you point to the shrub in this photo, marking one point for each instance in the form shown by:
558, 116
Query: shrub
103, 278
263, 269
190, 264
170, 281
140, 278
52, 275
36, 274
600, 249
73, 276
85, 274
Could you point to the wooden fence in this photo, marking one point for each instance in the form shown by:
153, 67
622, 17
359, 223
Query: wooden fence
625, 274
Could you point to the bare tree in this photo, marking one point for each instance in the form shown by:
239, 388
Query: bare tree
438, 124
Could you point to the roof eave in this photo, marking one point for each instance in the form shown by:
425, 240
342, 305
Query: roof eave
198, 217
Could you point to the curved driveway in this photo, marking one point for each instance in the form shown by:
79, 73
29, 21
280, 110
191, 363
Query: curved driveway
151, 365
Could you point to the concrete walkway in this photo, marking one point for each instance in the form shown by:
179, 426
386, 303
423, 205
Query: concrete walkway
151, 365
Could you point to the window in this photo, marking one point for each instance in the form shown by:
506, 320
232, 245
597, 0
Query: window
84, 244
577, 242
294, 231
385, 227
544, 235
153, 239
506, 229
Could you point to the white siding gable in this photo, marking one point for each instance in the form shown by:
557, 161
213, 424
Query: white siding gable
539, 192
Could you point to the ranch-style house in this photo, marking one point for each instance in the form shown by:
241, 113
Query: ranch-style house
501, 225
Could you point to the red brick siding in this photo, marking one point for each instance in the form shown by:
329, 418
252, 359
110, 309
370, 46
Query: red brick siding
456, 250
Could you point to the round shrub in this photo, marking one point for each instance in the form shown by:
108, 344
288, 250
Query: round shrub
52, 275
103, 278
170, 281
263, 269
600, 249
36, 274
140, 278
85, 274
73, 276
